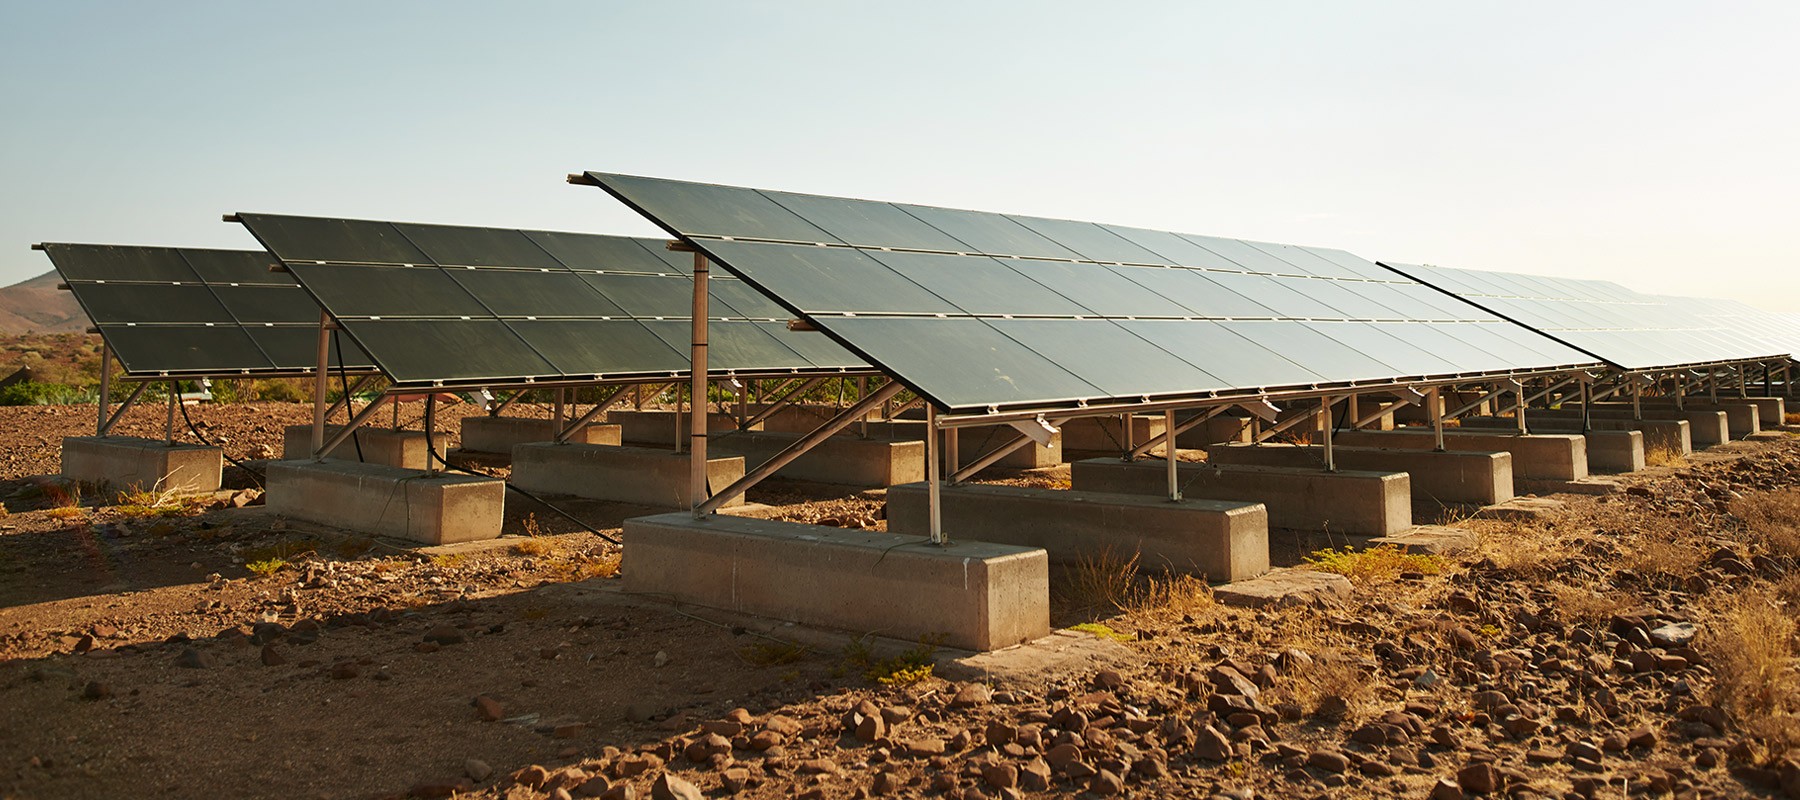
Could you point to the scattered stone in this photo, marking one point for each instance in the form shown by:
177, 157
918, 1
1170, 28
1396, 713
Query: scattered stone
620, 791
345, 670
1035, 775
1480, 778
669, 787
661, 659
1106, 784
272, 657
971, 695
477, 770
1446, 789
1001, 776
1328, 760
194, 659
488, 708
1674, 634
446, 635
96, 690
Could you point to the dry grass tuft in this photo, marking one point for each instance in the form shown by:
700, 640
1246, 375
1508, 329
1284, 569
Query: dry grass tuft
1530, 550
1772, 519
1331, 682
1581, 604
580, 567
1752, 647
534, 546
1173, 594
1102, 580
1661, 455
1791, 418
1664, 556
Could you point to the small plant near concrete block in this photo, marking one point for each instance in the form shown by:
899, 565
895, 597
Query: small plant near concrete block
909, 667
1384, 563
265, 567
1100, 631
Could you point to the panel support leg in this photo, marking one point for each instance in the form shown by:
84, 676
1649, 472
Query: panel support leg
1519, 389
321, 385
697, 403
105, 387
431, 465
1437, 418
1325, 404
169, 428
1171, 456
934, 476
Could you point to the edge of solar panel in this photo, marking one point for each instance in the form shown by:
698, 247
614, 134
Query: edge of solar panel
195, 343
1447, 279
560, 252
1773, 327
700, 242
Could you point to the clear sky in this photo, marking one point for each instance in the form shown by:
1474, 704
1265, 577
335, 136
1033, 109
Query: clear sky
1653, 143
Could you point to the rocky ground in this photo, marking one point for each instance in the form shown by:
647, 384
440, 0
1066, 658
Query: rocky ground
1637, 643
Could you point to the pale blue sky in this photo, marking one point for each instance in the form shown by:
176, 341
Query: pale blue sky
1657, 144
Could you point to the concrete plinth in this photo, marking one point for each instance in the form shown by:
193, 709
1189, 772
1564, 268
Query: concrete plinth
388, 501
843, 460
1705, 428
132, 463
394, 448
1220, 539
499, 434
658, 428
977, 595
1743, 417
640, 475
1669, 434
1287, 587
1481, 478
1222, 429
1107, 434
1559, 457
1348, 501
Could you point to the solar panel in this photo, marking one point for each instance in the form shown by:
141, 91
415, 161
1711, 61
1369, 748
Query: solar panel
438, 305
185, 312
979, 311
1781, 331
1622, 327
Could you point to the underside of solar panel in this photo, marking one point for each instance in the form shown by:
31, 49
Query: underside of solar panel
186, 312
1626, 329
438, 305
987, 311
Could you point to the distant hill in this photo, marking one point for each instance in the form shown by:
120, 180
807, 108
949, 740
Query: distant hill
37, 306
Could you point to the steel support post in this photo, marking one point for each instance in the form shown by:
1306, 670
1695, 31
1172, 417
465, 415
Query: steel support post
697, 403
1125, 432
1519, 414
1637, 399
934, 477
1712, 384
680, 421
321, 382
1437, 418
130, 399
559, 409
105, 387
952, 451
169, 428
862, 424
1172, 457
1680, 392
1587, 406
1325, 404
1175, 432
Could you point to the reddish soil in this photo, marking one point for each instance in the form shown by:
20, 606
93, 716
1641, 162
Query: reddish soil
139, 656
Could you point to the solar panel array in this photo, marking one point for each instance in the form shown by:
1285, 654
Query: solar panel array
977, 310
439, 305
1781, 330
1624, 328
185, 312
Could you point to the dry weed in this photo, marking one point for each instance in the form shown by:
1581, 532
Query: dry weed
1375, 565
1664, 556
580, 567
1330, 681
1772, 519
533, 546
1531, 550
1173, 594
1102, 580
1581, 604
1752, 648
1660, 454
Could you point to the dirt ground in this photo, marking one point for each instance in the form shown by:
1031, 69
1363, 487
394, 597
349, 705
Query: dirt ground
1637, 643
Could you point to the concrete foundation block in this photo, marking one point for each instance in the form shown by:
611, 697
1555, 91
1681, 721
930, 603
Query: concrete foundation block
1523, 509
1281, 588
394, 448
388, 501
640, 475
128, 462
1454, 477
1669, 434
1222, 429
658, 427
843, 460
1107, 434
977, 595
1220, 539
1545, 457
1431, 540
499, 434
1735, 425
1705, 428
1615, 451
1347, 501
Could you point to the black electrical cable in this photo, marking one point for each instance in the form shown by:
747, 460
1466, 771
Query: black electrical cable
431, 451
344, 378
254, 475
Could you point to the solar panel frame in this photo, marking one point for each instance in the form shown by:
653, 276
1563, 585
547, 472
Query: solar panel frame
500, 307
187, 313
741, 230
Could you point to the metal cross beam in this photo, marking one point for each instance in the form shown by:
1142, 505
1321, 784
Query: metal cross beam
843, 420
